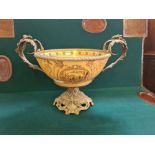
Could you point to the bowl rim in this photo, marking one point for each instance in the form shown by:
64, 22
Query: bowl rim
37, 54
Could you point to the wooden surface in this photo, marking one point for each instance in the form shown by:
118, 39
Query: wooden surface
6, 28
149, 97
134, 28
149, 72
149, 44
149, 53
149, 58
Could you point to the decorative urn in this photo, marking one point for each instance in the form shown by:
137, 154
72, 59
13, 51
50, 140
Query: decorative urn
71, 68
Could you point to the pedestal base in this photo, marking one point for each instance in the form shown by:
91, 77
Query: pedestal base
72, 101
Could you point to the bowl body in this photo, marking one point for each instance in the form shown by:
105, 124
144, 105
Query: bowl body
72, 67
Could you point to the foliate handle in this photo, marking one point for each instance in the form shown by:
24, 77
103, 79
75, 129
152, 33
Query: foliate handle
110, 43
21, 45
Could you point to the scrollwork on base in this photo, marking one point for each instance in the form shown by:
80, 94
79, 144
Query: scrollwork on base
73, 101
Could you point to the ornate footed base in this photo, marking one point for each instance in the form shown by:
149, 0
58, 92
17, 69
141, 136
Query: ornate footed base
72, 101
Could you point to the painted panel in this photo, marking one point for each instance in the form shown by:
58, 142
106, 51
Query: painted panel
6, 28
135, 27
5, 68
94, 25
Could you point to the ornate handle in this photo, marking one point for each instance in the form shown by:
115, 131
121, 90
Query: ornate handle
21, 45
110, 43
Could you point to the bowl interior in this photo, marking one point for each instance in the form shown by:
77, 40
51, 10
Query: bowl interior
72, 53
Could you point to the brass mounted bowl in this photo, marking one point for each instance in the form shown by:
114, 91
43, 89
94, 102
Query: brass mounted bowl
72, 68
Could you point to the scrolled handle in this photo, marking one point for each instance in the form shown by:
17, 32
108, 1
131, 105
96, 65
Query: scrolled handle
110, 43
21, 45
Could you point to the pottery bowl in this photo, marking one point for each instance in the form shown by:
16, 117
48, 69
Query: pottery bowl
72, 67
